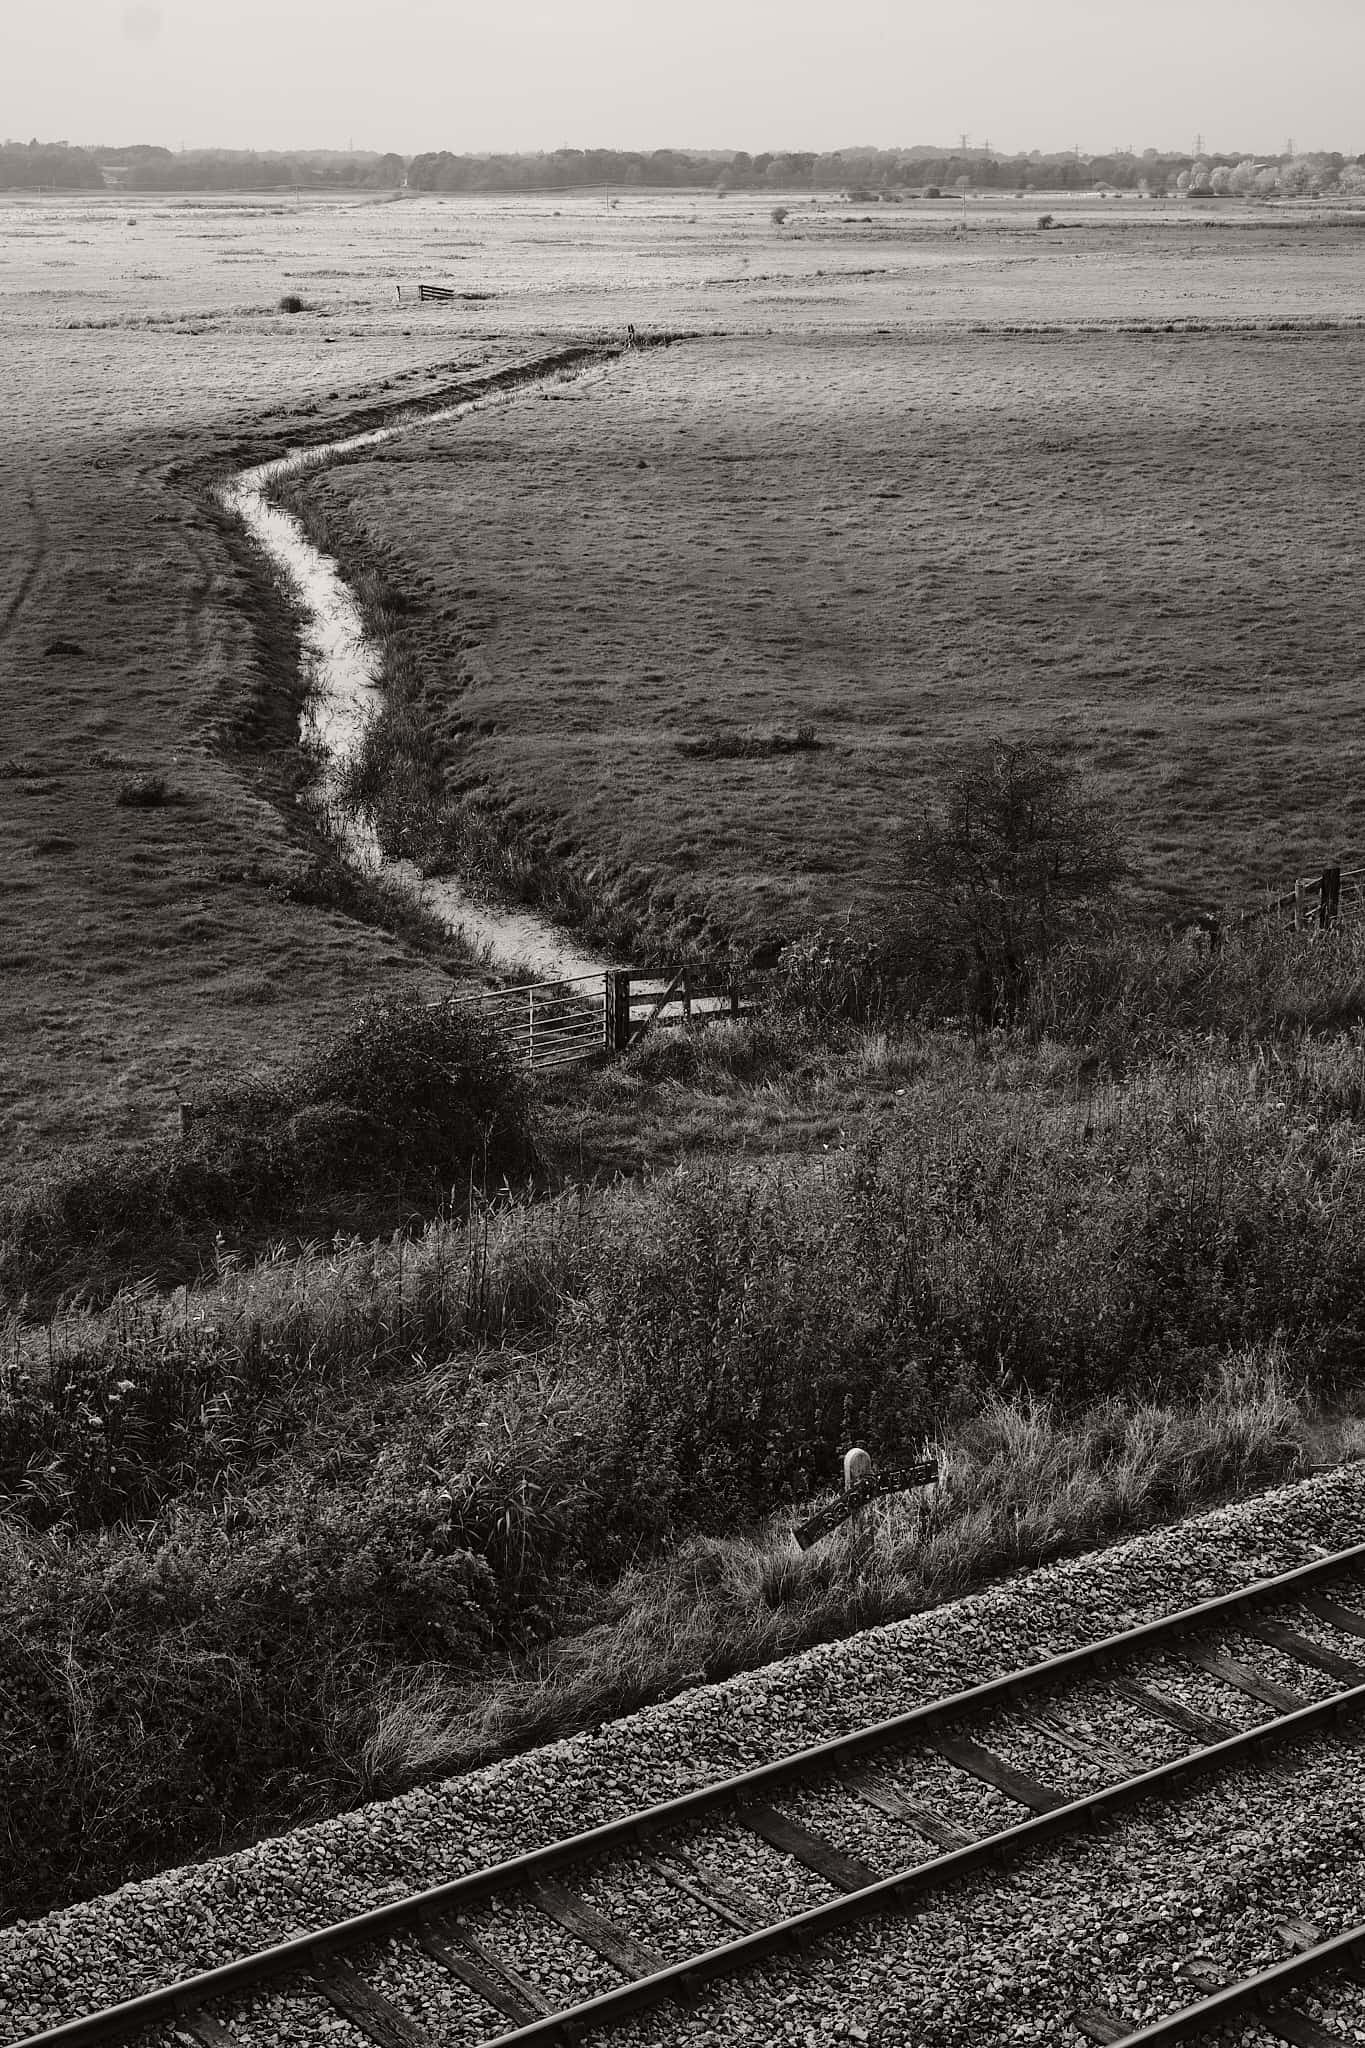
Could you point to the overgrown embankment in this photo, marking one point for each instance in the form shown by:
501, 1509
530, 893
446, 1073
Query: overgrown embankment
271, 1545
407, 1109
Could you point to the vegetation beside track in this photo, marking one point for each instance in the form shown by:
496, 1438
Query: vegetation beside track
333, 1521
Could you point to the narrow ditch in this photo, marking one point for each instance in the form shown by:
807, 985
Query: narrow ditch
341, 669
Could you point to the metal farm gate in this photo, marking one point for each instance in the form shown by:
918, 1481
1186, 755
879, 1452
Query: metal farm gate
550, 1023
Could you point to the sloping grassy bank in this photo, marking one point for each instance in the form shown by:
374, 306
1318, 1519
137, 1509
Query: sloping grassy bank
342, 1518
411, 781
409, 1107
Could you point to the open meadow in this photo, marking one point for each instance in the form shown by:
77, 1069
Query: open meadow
688, 638
852, 512
712, 622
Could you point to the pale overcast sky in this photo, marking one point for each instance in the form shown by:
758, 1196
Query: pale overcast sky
746, 74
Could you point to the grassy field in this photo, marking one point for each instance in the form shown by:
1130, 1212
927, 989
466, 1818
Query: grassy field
632, 601
693, 635
144, 949
148, 949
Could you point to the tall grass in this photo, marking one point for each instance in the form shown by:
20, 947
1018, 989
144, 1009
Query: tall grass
290, 1522
1118, 1240
1265, 984
1017, 1486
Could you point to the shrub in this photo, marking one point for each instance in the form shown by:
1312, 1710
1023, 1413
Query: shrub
778, 215
433, 1086
834, 974
413, 1102
291, 303
1017, 858
143, 792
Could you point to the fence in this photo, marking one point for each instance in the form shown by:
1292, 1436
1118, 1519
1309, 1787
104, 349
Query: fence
1316, 901
551, 1023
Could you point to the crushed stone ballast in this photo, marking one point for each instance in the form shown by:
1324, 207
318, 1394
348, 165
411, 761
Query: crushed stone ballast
934, 1751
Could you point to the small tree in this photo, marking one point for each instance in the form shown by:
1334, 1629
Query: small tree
1018, 857
778, 215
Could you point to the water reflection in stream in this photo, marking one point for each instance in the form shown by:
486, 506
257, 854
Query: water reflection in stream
341, 668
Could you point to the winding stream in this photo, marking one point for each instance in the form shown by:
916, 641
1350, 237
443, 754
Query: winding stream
341, 666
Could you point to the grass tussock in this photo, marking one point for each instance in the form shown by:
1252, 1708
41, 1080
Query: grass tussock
719, 745
143, 793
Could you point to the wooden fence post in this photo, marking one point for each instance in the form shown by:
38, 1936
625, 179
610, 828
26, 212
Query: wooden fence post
1300, 896
1329, 897
616, 1006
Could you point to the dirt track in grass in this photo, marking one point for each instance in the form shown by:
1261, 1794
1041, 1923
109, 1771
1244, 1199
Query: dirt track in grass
143, 949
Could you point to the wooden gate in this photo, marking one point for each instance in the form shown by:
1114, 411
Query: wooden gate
550, 1023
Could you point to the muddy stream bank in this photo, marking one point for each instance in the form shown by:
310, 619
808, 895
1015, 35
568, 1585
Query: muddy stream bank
341, 667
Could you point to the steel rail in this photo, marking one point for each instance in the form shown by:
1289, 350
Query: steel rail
456, 1893
1250, 1996
897, 1891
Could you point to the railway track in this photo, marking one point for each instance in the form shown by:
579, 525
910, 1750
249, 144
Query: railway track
659, 1903
1271, 1999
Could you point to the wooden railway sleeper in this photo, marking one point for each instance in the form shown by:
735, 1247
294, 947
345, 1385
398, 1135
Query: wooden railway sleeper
915, 1724
901, 1891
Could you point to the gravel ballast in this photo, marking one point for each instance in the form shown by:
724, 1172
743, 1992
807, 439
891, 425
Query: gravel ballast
1006, 1962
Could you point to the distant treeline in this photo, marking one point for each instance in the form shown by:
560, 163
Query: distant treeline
885, 173
146, 167
48, 166
858, 174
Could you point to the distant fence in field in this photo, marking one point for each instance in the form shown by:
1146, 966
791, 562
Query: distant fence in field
1314, 901
553, 1023
442, 294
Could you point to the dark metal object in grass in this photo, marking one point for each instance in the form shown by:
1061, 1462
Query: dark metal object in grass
858, 1496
